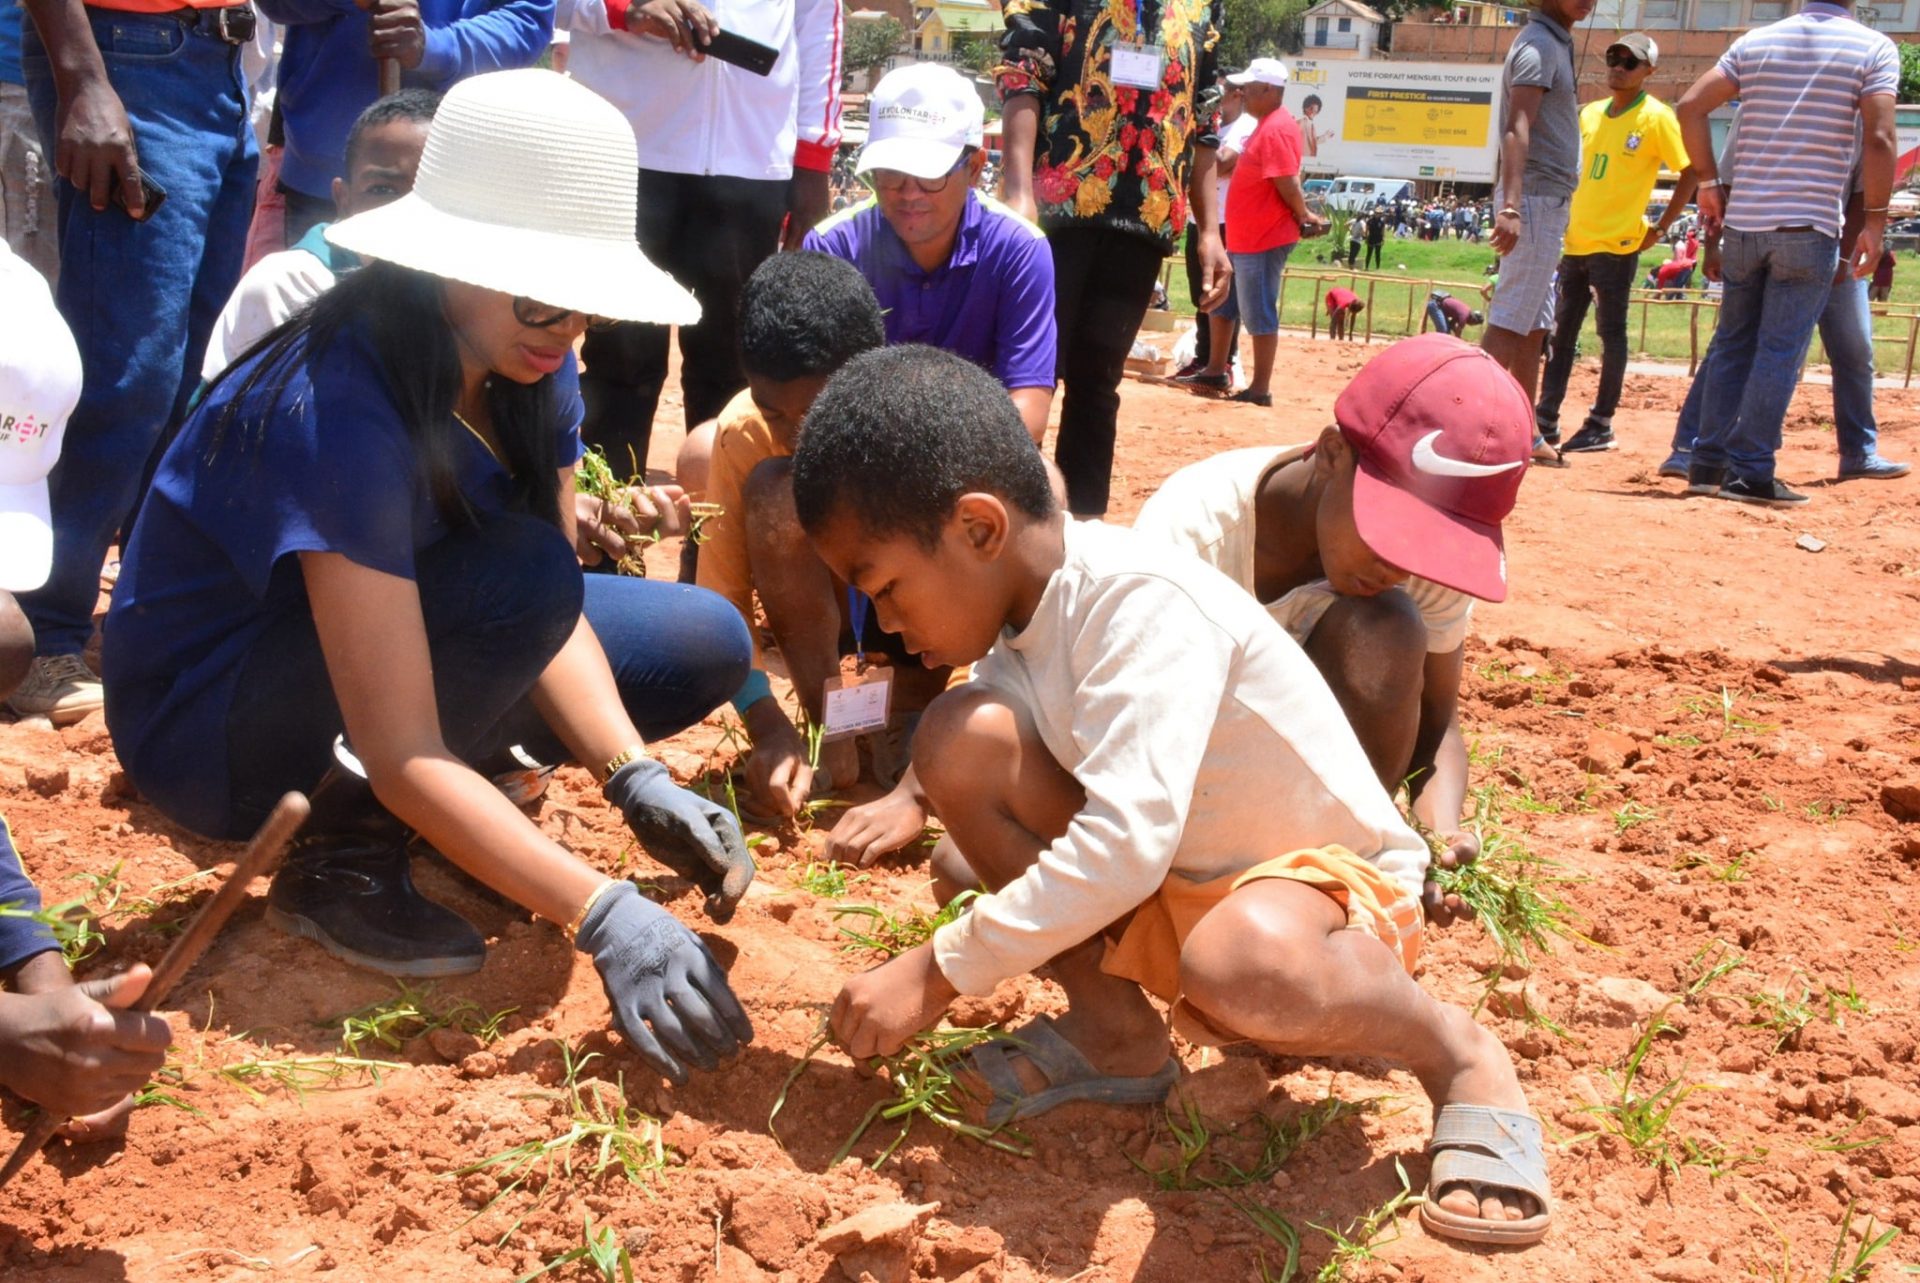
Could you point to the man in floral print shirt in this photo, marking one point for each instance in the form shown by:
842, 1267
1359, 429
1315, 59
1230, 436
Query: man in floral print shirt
1108, 138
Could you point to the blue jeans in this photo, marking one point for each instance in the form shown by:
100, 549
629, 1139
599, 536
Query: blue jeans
1256, 289
1776, 287
498, 603
1846, 330
141, 298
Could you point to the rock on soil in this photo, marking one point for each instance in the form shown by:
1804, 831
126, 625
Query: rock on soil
1618, 1002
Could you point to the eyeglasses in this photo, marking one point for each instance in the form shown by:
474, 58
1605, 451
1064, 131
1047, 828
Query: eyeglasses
539, 316
1624, 61
891, 181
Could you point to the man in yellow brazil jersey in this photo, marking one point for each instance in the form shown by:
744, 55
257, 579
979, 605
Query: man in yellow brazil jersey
1625, 139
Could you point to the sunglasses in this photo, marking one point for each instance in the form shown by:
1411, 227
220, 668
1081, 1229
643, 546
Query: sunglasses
1624, 61
538, 316
889, 181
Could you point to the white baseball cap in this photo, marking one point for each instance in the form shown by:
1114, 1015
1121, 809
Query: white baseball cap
39, 385
920, 119
1267, 71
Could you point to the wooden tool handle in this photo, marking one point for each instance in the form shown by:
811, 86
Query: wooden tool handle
262, 856
389, 76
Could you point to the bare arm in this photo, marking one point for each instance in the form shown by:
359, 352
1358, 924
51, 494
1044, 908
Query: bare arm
1710, 91
93, 147
375, 643
1294, 197
1034, 405
1203, 188
1877, 149
1523, 106
1020, 130
1439, 767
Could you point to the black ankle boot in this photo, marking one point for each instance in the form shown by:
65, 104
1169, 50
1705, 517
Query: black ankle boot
347, 886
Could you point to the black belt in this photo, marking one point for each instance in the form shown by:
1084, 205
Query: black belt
234, 24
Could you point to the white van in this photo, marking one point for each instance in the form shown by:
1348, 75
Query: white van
1363, 193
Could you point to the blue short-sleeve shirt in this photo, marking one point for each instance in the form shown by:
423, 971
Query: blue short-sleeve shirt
322, 465
991, 302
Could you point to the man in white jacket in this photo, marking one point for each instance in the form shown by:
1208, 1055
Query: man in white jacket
727, 159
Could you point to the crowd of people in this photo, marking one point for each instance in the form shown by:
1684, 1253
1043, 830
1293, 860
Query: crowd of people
332, 411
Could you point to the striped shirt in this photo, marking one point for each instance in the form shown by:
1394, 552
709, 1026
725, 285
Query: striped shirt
1800, 83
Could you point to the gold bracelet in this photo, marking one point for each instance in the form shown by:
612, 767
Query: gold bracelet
573, 928
620, 759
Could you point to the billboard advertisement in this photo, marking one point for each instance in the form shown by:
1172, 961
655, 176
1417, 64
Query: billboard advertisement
1433, 120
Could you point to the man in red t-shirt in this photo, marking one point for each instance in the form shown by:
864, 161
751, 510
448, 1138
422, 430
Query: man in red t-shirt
1343, 305
1266, 215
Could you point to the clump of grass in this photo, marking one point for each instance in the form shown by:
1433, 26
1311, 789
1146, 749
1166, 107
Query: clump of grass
1714, 960
1278, 1229
890, 934
926, 1084
412, 1013
1797, 1004
1641, 1116
594, 475
603, 1253
826, 880
1725, 707
1826, 811
1514, 895
1632, 816
1353, 1243
603, 1134
1842, 1266
1734, 870
1201, 1164
300, 1074
77, 924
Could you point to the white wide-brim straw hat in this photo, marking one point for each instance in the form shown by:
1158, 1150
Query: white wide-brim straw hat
528, 186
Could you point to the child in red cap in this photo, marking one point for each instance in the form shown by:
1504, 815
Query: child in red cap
1156, 789
1369, 545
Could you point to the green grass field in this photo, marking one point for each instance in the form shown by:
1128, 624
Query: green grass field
1410, 267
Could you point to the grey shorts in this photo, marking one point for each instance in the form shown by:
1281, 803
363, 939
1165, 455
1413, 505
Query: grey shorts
1523, 300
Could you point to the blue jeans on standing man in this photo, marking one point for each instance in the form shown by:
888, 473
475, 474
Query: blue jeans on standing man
1846, 331
1776, 287
141, 298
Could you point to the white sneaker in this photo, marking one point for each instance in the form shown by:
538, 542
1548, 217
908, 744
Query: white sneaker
58, 687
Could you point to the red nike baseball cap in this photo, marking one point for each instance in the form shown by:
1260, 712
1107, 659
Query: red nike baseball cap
1443, 436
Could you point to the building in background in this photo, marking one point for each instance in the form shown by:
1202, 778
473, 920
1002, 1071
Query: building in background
1342, 29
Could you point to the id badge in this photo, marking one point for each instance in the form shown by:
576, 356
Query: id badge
857, 704
1138, 66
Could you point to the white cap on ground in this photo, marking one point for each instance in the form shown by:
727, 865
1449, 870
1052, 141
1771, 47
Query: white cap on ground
920, 118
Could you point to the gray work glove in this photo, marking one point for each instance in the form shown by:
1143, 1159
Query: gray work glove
657, 973
686, 832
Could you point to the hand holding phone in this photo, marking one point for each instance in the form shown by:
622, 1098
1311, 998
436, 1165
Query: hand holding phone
155, 195
687, 25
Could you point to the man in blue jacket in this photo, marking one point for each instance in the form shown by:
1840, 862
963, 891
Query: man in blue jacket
329, 72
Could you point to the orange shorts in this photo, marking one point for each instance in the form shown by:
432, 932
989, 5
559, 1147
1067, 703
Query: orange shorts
1148, 950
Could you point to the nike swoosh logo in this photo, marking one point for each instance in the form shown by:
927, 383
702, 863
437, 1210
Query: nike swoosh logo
1433, 463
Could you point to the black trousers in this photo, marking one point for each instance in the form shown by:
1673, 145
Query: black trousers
1373, 254
1102, 280
708, 233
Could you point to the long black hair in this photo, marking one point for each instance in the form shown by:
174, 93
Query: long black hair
400, 314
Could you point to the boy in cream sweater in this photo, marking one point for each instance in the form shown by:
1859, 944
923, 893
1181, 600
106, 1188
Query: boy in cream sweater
1153, 782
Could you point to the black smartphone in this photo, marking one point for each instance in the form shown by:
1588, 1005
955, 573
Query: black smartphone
156, 197
742, 52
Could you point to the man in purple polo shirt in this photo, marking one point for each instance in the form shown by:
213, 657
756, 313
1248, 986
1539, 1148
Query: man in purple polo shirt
952, 269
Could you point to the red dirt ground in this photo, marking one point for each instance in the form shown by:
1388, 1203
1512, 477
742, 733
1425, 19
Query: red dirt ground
1715, 733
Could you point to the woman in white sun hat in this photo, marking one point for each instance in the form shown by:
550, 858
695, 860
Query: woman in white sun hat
361, 538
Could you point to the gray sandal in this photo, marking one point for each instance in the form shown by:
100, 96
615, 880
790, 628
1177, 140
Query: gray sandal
1069, 1076
1480, 1146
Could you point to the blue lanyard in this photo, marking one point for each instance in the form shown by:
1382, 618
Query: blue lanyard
858, 603
1140, 21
